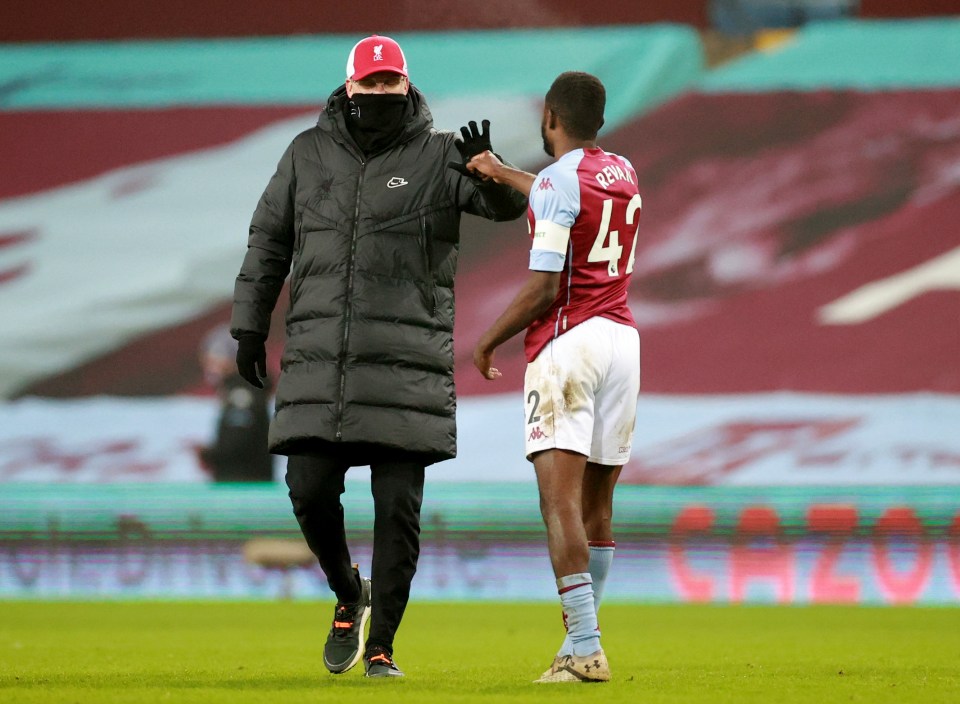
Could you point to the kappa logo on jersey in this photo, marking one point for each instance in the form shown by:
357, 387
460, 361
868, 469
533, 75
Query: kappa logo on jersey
537, 434
378, 52
545, 185
396, 182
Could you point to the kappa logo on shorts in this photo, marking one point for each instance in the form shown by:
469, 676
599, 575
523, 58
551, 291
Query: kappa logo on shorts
537, 434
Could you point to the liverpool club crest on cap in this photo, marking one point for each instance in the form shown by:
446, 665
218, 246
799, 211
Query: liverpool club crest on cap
373, 54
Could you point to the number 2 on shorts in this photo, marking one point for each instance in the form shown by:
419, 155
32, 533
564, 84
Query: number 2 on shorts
533, 396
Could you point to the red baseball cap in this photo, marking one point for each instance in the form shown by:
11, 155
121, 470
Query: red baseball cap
373, 54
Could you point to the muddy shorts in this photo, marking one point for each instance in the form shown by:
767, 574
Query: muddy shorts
581, 392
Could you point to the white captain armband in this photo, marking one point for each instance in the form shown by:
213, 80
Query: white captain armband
549, 248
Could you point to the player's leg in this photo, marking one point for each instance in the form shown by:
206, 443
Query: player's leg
598, 485
597, 512
560, 478
397, 488
316, 484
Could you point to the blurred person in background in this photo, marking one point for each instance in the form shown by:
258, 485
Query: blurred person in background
582, 348
364, 215
745, 17
239, 451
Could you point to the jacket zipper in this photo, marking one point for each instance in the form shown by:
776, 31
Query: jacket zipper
346, 315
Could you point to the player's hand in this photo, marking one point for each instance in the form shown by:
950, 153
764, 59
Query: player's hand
483, 361
486, 164
252, 359
465, 170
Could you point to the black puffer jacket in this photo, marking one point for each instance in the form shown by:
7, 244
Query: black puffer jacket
371, 247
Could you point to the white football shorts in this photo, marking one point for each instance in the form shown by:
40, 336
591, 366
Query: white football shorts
581, 392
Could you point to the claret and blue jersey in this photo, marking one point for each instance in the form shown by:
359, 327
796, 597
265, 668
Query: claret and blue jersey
583, 215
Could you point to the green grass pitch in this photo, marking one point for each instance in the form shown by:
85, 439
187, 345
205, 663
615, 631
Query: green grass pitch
268, 652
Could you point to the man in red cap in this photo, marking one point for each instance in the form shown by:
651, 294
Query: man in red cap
364, 216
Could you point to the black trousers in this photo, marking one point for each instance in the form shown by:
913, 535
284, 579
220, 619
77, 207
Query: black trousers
316, 484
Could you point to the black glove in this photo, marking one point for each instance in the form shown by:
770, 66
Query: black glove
252, 358
474, 142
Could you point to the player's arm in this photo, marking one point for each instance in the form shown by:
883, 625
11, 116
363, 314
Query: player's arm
554, 210
530, 303
488, 165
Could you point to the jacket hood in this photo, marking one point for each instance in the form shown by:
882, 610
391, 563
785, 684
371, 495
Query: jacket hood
332, 118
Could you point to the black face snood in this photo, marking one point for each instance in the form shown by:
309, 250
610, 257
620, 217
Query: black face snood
375, 119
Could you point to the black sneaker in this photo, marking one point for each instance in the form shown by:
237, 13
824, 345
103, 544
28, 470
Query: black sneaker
343, 647
378, 662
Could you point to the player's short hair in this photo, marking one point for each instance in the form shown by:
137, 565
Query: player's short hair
578, 99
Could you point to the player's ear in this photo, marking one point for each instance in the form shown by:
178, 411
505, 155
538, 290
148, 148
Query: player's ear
552, 119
